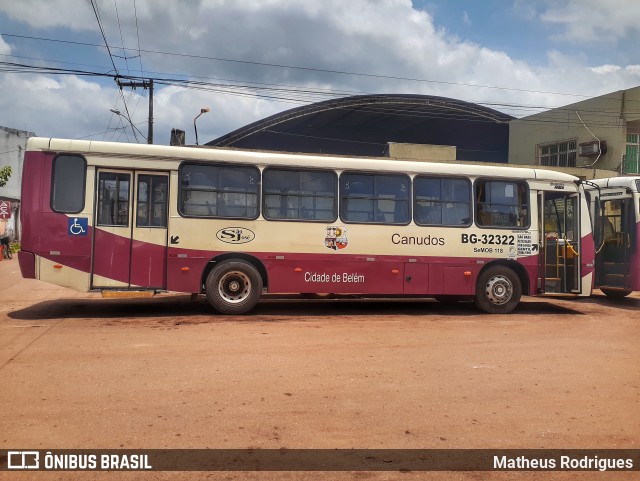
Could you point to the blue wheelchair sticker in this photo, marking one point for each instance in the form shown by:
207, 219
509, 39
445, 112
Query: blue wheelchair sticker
78, 226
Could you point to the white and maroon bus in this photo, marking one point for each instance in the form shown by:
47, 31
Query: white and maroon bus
233, 224
615, 213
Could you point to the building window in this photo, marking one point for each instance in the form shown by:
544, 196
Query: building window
374, 198
299, 194
502, 203
441, 201
631, 163
558, 154
228, 191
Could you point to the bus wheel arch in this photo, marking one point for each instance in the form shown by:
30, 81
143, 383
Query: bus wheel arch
500, 286
233, 255
615, 293
233, 283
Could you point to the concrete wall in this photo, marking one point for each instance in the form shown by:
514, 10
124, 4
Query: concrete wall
607, 117
442, 153
12, 146
421, 152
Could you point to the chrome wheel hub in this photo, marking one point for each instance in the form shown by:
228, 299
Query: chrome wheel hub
499, 290
234, 286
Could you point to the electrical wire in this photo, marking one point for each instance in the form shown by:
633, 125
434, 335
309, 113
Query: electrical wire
298, 96
309, 69
106, 44
135, 12
124, 52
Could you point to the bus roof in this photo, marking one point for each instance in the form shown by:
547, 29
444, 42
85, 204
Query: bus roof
137, 155
630, 182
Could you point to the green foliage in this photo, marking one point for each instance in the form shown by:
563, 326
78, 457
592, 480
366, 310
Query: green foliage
5, 173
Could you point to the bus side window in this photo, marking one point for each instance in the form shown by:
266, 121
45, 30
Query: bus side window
375, 198
219, 191
442, 201
68, 184
299, 194
152, 201
501, 204
113, 199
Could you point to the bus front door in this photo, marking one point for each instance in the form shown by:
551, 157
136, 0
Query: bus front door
130, 231
149, 240
560, 243
615, 236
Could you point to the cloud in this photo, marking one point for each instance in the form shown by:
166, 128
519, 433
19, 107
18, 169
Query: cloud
178, 107
606, 69
595, 21
525, 9
72, 107
65, 106
389, 40
5, 48
51, 13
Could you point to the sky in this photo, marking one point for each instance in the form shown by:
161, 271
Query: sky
248, 59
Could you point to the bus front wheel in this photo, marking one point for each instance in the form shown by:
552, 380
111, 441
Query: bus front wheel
498, 290
615, 293
234, 287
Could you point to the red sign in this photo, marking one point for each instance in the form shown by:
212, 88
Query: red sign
5, 209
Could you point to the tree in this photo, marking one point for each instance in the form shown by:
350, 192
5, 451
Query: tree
5, 173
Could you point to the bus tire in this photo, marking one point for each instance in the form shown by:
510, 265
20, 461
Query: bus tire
498, 290
234, 287
615, 293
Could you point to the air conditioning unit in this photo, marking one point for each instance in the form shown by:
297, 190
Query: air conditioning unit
592, 148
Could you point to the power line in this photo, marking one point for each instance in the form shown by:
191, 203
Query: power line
300, 95
103, 132
106, 44
135, 12
294, 96
231, 82
309, 69
124, 53
299, 100
124, 101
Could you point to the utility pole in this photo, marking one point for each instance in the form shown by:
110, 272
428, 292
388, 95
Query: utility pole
147, 84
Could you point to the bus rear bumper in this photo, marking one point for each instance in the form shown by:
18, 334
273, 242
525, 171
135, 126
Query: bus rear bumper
27, 262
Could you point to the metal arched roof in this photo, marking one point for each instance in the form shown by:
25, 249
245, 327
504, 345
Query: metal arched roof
365, 124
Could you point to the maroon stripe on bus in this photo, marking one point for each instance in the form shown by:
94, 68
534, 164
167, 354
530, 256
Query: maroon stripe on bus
27, 261
148, 264
31, 202
113, 260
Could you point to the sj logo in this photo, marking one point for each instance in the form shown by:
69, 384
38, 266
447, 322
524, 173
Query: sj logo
235, 235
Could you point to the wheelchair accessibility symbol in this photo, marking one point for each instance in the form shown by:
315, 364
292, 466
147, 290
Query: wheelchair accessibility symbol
78, 226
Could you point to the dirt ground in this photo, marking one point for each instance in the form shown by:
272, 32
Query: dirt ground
83, 372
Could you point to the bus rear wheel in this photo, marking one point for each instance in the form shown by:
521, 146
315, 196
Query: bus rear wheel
498, 290
615, 293
234, 287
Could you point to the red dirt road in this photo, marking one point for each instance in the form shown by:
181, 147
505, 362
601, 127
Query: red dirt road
82, 372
